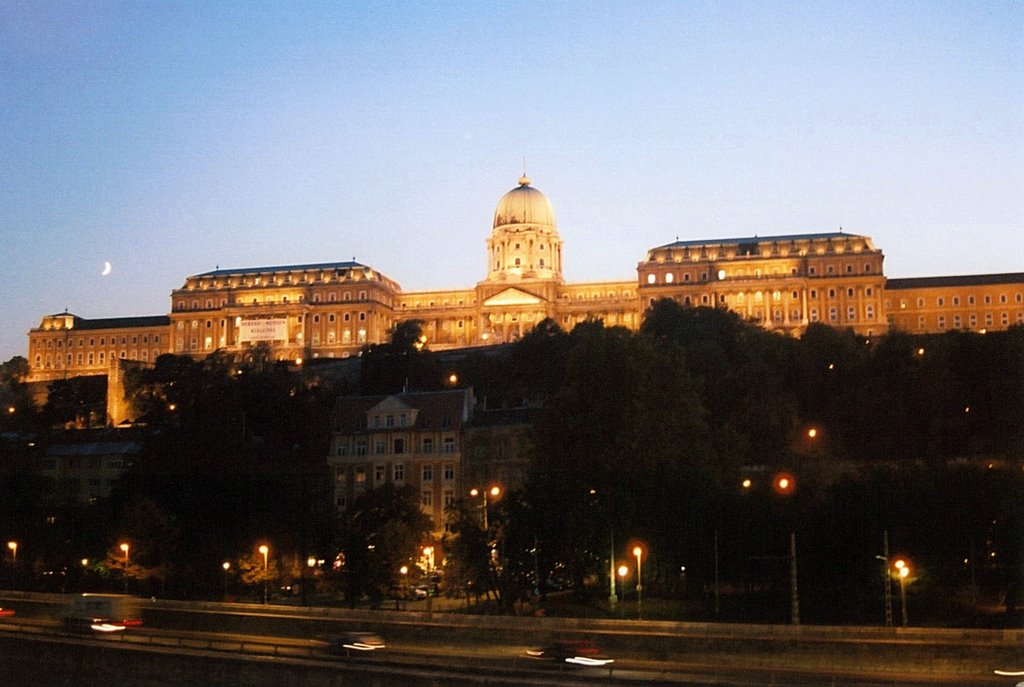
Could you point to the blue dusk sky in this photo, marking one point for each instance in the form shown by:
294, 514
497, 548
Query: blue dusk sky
170, 138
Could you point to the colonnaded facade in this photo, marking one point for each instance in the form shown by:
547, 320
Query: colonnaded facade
332, 310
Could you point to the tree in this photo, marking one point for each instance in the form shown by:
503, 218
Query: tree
383, 530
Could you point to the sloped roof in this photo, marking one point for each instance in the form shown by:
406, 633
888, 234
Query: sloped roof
448, 409
961, 280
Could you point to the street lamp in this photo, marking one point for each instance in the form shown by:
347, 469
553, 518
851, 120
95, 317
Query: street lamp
264, 549
903, 572
227, 566
124, 548
494, 491
623, 573
638, 552
428, 553
13, 546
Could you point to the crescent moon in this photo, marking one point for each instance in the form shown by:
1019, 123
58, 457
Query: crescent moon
106, 269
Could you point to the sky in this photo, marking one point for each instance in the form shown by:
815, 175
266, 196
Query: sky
172, 138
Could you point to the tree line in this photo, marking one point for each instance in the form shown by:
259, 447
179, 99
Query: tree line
668, 438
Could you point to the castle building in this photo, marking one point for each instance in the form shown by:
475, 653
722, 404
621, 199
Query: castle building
332, 310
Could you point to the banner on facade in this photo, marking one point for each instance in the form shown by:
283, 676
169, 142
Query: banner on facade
263, 330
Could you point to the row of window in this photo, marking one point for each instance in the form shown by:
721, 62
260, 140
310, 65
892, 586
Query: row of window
380, 473
92, 358
940, 301
972, 320
78, 463
756, 273
332, 297
135, 340
426, 500
399, 446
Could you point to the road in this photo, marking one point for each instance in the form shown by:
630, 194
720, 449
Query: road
433, 648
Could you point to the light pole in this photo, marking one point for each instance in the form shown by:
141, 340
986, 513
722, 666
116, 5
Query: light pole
264, 549
638, 552
428, 553
903, 572
227, 566
403, 590
494, 491
13, 546
124, 548
623, 572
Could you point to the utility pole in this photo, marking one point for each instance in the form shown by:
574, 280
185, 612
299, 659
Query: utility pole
794, 610
886, 580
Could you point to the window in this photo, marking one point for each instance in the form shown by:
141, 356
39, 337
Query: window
449, 498
399, 446
389, 421
379, 473
449, 444
428, 445
361, 448
427, 498
379, 446
398, 472
427, 474
449, 472
360, 474
942, 322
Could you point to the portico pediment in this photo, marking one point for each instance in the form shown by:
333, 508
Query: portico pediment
512, 297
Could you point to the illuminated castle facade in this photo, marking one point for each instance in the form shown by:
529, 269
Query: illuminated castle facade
332, 310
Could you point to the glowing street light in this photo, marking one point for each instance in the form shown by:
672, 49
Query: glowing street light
265, 550
902, 572
124, 549
623, 574
494, 492
13, 546
638, 552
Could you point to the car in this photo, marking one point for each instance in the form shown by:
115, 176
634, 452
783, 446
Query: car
6, 612
353, 643
581, 652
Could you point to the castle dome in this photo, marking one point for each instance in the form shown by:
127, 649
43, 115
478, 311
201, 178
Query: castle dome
524, 205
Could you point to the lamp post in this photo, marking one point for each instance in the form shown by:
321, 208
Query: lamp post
428, 553
264, 549
403, 590
13, 546
638, 552
124, 548
623, 572
903, 572
494, 491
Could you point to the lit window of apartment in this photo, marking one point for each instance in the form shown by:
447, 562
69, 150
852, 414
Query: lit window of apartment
360, 474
